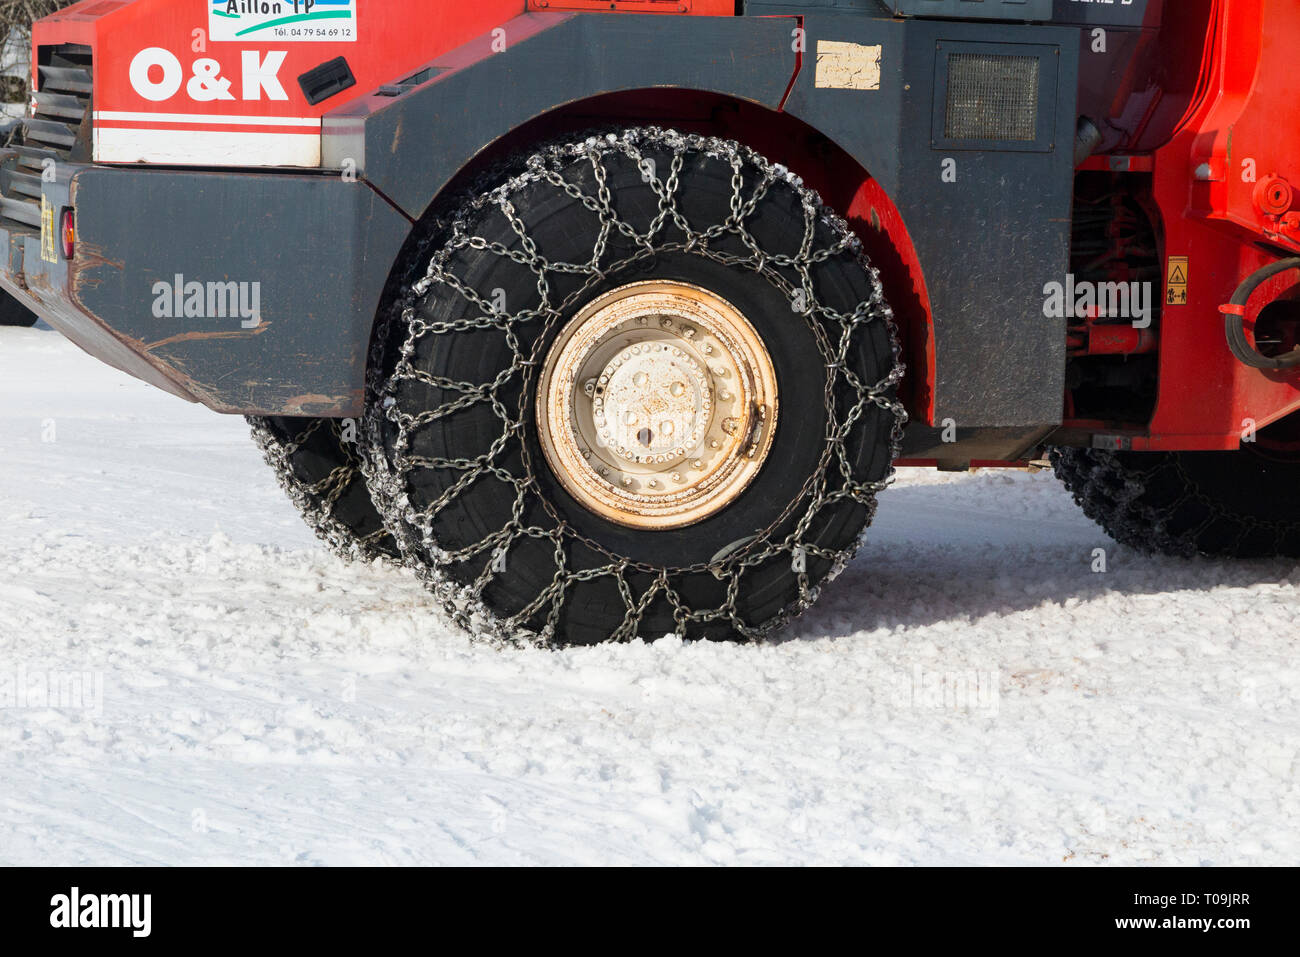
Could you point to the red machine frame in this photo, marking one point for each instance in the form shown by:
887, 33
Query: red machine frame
1222, 185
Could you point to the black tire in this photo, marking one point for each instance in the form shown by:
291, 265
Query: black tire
319, 468
570, 576
14, 313
1221, 504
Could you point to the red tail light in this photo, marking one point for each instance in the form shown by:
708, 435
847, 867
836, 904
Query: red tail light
69, 231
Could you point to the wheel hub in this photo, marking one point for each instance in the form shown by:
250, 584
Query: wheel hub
657, 405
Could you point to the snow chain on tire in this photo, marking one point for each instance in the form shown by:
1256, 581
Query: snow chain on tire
1225, 504
392, 466
319, 468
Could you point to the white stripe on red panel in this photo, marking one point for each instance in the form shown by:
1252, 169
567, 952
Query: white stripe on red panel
195, 147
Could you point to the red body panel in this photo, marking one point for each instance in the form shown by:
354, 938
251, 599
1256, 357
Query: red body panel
1242, 132
193, 99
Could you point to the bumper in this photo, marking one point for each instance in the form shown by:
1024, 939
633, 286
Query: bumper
248, 292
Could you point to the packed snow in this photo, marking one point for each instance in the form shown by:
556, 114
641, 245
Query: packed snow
186, 677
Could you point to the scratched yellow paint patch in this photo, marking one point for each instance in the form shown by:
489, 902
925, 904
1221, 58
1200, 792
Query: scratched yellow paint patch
49, 251
847, 66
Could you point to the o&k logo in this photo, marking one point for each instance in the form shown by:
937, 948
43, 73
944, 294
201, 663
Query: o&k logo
282, 21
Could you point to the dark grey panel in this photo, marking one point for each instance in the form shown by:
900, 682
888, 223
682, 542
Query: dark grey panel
441, 125
988, 242
318, 248
1116, 13
1138, 13
978, 9
767, 7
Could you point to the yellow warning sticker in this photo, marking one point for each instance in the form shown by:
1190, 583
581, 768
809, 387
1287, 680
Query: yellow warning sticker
1176, 284
49, 241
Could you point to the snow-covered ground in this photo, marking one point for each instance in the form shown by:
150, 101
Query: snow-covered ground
970, 690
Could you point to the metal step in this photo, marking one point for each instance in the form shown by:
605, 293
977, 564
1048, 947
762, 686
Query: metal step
59, 109
58, 135
65, 79
33, 157
28, 184
22, 211
63, 105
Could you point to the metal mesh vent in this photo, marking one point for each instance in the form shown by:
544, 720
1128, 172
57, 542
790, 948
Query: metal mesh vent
992, 97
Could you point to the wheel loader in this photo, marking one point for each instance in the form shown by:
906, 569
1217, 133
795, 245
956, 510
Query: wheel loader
613, 319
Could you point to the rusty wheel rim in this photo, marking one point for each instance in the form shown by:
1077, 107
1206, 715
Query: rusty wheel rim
657, 405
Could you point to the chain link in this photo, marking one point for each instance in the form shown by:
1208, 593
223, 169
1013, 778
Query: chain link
318, 501
1119, 495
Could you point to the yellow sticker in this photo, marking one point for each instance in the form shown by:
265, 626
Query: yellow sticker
847, 66
49, 242
1176, 284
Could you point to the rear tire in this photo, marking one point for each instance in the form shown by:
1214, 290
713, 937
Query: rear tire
460, 474
1238, 504
14, 313
319, 468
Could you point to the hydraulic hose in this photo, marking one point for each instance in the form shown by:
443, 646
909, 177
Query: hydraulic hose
1234, 316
